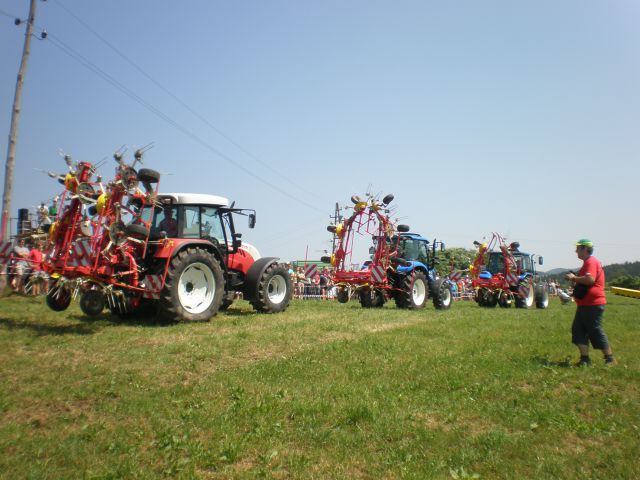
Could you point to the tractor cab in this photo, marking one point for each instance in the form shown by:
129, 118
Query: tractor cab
198, 216
414, 248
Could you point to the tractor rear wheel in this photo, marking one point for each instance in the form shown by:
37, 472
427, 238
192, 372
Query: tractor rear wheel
442, 296
414, 291
525, 301
542, 296
193, 287
58, 299
274, 290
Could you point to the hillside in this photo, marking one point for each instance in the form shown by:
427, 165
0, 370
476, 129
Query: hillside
611, 272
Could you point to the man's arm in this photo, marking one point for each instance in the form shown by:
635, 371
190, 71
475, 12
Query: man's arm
586, 279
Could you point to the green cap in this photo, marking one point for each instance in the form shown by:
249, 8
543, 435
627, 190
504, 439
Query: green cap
584, 242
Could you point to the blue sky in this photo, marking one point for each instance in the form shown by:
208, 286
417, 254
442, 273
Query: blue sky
479, 116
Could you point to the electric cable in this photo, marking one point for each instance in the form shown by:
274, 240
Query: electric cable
14, 17
57, 42
180, 101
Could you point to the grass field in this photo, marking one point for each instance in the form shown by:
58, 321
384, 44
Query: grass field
322, 391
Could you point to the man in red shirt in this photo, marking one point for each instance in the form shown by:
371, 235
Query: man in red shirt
38, 276
587, 323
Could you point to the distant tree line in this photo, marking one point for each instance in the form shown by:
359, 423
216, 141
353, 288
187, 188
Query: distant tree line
616, 270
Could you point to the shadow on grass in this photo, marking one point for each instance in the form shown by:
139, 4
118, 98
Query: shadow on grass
129, 319
42, 329
233, 312
547, 362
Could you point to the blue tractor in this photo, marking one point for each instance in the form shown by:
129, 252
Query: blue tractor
503, 275
416, 260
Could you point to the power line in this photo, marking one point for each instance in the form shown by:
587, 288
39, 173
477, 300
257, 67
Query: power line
2, 12
180, 101
57, 42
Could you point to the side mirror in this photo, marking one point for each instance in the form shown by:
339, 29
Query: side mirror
252, 220
540, 261
372, 250
442, 246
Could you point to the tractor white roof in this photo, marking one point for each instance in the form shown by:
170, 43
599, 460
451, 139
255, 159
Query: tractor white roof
196, 199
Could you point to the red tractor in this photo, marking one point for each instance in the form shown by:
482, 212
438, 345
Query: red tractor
401, 264
503, 275
131, 248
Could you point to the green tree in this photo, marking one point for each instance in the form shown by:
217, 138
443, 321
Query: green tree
626, 281
460, 258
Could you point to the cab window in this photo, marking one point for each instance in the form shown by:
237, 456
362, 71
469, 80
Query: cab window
191, 222
211, 224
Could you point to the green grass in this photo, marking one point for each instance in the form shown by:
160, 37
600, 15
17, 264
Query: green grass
322, 391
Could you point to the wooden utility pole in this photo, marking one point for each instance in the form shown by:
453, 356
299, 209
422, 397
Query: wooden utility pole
337, 218
13, 133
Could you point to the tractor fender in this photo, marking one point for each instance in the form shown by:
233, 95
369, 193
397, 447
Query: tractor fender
526, 276
250, 287
414, 266
175, 246
410, 266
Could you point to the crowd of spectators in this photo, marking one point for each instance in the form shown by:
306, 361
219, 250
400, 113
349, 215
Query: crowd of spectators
318, 285
24, 269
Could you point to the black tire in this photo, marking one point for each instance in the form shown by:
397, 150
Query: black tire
364, 296
442, 294
136, 230
92, 303
479, 297
149, 176
193, 288
274, 290
542, 297
525, 302
342, 295
58, 299
491, 300
378, 299
505, 300
371, 298
414, 291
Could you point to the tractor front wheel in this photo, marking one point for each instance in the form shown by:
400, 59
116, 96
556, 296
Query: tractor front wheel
542, 296
442, 296
525, 296
414, 290
274, 290
193, 287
